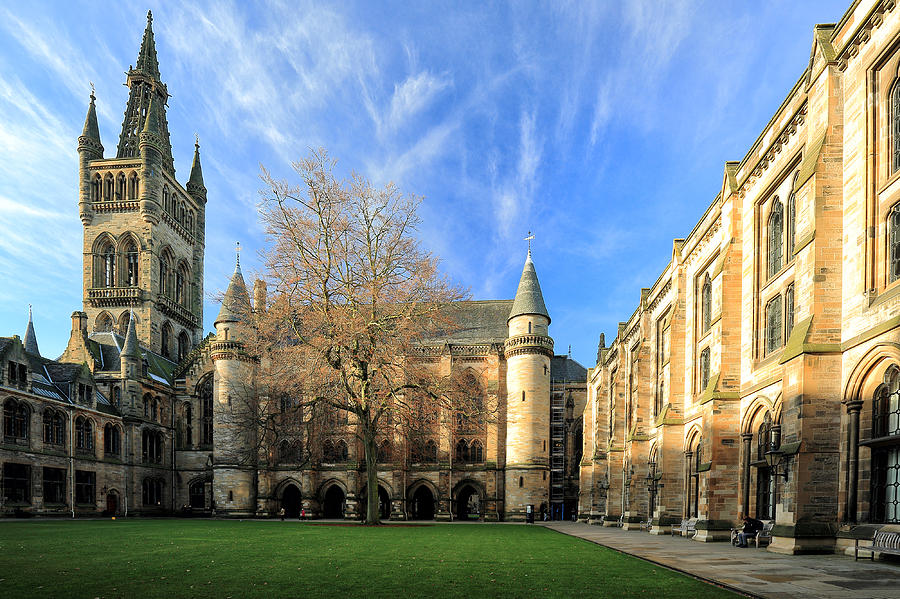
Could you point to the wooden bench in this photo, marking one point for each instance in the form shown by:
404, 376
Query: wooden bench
645, 525
885, 540
687, 527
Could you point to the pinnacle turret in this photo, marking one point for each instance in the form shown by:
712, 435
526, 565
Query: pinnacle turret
529, 299
130, 348
31, 344
89, 141
195, 185
146, 61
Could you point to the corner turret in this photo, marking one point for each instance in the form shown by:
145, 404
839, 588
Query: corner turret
195, 185
89, 148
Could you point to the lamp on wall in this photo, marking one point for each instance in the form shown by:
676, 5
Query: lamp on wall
775, 458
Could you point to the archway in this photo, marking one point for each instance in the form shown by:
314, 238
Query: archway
422, 504
197, 494
290, 501
333, 505
468, 503
384, 503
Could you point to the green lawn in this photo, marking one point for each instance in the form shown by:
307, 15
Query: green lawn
199, 558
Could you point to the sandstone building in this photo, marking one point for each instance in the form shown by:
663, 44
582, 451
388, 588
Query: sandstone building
135, 416
773, 334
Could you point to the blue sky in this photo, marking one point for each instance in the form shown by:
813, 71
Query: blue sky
602, 127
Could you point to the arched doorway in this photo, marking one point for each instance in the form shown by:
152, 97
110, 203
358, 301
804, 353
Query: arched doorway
112, 503
333, 505
197, 495
384, 503
468, 503
422, 504
290, 501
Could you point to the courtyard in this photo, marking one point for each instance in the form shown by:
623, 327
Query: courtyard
204, 558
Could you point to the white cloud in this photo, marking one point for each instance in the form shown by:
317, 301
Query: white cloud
413, 95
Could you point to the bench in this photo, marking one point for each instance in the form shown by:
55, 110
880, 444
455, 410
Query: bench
885, 540
645, 524
764, 535
687, 527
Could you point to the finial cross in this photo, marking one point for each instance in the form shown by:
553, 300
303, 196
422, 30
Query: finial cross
529, 239
237, 249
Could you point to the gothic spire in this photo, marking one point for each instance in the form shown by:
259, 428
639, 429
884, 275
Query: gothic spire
145, 88
529, 299
146, 60
31, 344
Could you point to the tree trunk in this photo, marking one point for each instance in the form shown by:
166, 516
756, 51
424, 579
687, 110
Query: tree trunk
372, 511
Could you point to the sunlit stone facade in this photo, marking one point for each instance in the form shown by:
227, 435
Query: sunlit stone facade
775, 327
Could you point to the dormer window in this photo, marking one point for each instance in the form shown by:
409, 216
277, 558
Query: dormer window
17, 374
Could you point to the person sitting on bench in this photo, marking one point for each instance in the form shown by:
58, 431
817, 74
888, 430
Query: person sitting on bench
751, 527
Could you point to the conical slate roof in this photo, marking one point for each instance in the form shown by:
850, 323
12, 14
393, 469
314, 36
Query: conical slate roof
529, 299
91, 129
31, 344
146, 60
236, 303
130, 346
151, 125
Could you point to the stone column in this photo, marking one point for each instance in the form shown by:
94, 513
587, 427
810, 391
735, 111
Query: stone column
746, 445
853, 410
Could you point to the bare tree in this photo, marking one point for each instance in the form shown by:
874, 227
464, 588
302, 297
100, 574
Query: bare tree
352, 294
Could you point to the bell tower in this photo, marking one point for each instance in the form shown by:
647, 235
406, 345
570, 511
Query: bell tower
528, 351
143, 231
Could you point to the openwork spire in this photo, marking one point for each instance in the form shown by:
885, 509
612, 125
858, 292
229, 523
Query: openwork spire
144, 85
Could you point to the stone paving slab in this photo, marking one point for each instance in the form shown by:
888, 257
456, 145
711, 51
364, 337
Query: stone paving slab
756, 572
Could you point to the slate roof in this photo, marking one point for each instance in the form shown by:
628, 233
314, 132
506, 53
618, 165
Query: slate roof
236, 303
106, 348
565, 369
529, 299
476, 322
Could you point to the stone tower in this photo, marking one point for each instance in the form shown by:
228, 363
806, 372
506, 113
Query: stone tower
234, 441
528, 350
143, 231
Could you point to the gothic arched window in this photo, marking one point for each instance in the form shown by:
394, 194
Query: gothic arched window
104, 323
788, 311
774, 332
108, 266
205, 392
894, 242
476, 452
462, 451
133, 187
84, 434
111, 440
131, 265
895, 127
704, 368
96, 188
792, 219
16, 417
120, 187
765, 482
184, 345
166, 340
885, 478
430, 451
775, 239
706, 303
108, 188
384, 452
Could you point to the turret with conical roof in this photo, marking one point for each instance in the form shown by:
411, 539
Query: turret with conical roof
528, 351
89, 148
234, 443
529, 299
31, 344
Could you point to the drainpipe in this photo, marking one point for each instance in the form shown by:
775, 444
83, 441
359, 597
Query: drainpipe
853, 409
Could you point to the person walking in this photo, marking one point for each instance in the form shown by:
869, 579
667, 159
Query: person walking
281, 513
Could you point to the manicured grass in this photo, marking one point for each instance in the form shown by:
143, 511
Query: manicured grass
199, 558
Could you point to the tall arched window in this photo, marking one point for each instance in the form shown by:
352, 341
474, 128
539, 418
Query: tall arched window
384, 452
96, 187
205, 392
430, 451
895, 127
462, 451
108, 262
342, 451
16, 419
84, 435
788, 311
792, 219
111, 440
54, 427
131, 265
774, 332
165, 273
328, 454
775, 237
706, 303
704, 368
476, 452
166, 201
108, 188
104, 323
694, 457
894, 242
120, 187
133, 187
885, 482
184, 345
166, 341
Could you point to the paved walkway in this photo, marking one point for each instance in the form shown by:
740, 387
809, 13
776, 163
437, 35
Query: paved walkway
753, 571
